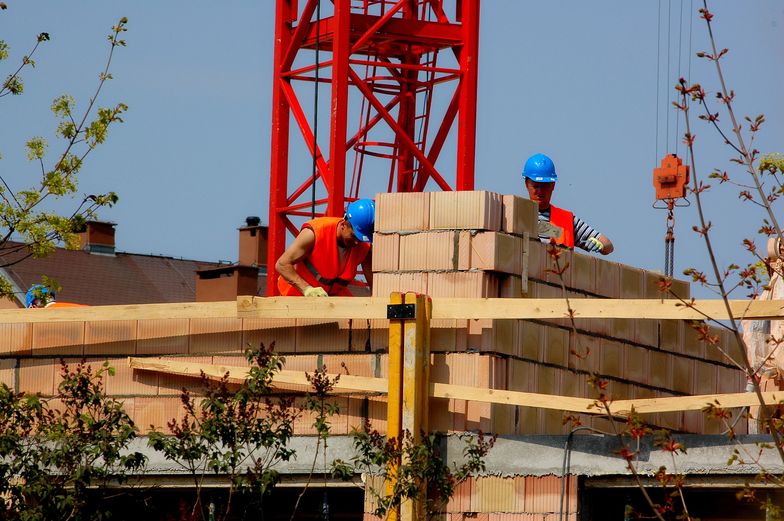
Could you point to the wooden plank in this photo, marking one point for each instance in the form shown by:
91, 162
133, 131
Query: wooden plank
239, 374
544, 401
336, 308
461, 392
300, 307
369, 384
693, 403
501, 308
177, 310
509, 308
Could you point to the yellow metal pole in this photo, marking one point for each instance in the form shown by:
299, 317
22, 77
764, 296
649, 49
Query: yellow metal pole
416, 360
395, 393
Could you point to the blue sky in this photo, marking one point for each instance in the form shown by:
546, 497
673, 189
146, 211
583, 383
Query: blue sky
584, 82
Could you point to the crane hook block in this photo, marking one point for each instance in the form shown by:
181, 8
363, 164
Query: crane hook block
671, 178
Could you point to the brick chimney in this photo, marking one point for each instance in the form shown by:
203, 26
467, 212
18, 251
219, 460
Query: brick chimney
253, 243
98, 237
228, 282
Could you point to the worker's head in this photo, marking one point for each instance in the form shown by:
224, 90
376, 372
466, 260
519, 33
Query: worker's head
540, 177
361, 216
38, 296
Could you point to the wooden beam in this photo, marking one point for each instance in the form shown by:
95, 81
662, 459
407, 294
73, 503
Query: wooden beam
226, 309
461, 392
509, 308
335, 308
239, 374
693, 403
369, 384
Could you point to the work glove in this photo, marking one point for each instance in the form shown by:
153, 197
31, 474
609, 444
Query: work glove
310, 291
594, 244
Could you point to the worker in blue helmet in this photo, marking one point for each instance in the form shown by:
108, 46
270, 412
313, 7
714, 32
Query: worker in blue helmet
556, 223
38, 296
324, 258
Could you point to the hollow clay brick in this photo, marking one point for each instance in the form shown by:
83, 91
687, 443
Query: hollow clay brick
589, 352
463, 284
388, 212
671, 335
493, 494
396, 212
491, 251
280, 332
512, 286
497, 336
582, 272
705, 378
38, 375
612, 355
466, 210
386, 252
683, 374
660, 369
162, 336
520, 215
58, 338
210, 335
16, 339
538, 260
110, 337
531, 335
8, 372
637, 365
430, 251
555, 346
386, 283
130, 382
608, 278
318, 336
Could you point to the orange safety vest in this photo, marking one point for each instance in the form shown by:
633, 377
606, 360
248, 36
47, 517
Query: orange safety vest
564, 219
322, 266
57, 304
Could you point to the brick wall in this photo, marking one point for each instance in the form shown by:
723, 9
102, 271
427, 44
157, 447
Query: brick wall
465, 244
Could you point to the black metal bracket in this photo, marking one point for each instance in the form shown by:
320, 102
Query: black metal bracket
401, 311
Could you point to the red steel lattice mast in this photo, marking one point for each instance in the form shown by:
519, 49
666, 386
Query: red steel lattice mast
385, 54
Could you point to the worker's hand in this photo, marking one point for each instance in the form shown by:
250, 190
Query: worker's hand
310, 291
594, 244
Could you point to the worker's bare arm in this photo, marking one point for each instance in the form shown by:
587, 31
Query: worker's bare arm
296, 252
367, 268
607, 245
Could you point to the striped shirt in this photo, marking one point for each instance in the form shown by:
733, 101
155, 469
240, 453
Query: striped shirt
582, 231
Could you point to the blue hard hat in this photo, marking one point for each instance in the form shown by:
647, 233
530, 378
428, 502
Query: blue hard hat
361, 215
37, 291
540, 168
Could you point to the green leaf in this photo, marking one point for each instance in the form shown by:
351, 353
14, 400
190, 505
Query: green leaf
62, 106
36, 148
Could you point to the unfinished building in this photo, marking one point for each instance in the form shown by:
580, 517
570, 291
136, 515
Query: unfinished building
450, 245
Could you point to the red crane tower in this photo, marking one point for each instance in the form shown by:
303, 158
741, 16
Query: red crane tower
379, 58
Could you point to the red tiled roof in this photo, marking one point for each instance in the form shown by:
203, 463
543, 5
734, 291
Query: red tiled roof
123, 278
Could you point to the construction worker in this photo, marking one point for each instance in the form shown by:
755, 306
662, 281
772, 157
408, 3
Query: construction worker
39, 296
763, 338
324, 257
568, 230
